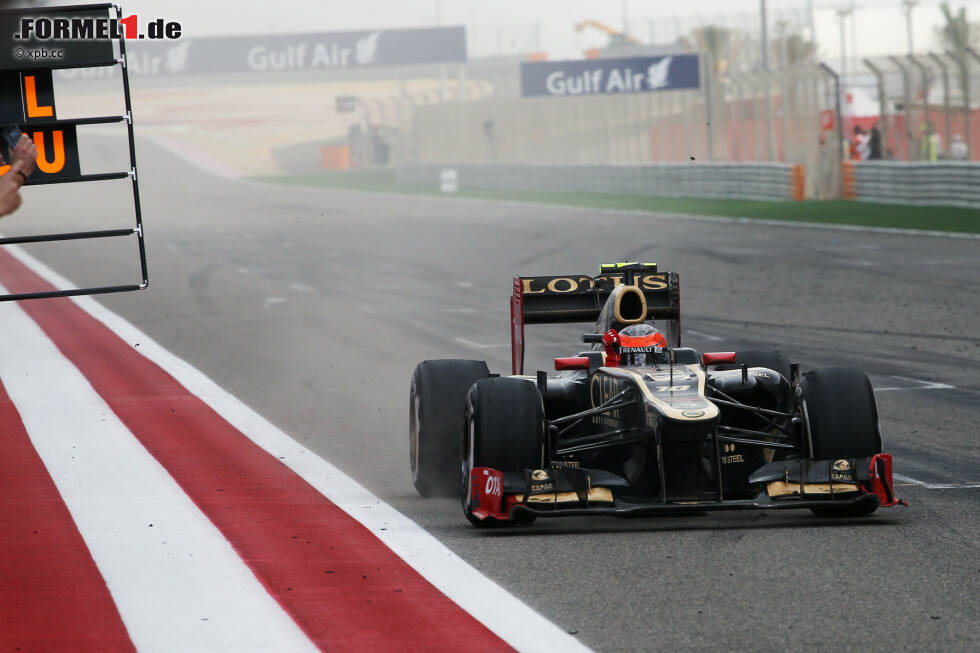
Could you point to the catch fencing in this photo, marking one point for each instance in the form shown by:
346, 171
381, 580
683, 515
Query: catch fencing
785, 117
941, 183
747, 181
925, 105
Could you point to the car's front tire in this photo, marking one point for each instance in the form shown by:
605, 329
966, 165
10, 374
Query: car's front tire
842, 422
504, 430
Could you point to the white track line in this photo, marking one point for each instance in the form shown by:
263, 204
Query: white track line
922, 385
503, 613
934, 486
176, 581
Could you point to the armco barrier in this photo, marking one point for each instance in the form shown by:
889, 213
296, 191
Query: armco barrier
941, 183
747, 181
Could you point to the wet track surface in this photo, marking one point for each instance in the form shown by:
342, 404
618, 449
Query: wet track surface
313, 307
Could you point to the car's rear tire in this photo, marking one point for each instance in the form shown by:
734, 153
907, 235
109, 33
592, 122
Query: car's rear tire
504, 430
842, 422
437, 403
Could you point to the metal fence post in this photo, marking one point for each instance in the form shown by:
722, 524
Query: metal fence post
788, 89
839, 154
947, 132
882, 104
965, 88
814, 84
910, 140
969, 108
926, 121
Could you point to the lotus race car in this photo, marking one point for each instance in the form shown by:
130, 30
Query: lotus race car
638, 423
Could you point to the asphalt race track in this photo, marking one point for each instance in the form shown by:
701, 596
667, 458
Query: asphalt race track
314, 306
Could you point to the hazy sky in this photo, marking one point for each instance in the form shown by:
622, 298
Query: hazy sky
880, 24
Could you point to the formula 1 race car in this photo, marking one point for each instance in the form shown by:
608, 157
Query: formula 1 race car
639, 424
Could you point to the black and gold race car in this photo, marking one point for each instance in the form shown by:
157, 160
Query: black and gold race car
638, 423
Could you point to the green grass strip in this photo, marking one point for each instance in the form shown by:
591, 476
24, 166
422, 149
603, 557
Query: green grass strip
895, 216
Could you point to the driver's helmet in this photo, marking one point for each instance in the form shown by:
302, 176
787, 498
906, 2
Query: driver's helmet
641, 345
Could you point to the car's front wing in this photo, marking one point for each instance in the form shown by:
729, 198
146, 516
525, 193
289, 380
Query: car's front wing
570, 491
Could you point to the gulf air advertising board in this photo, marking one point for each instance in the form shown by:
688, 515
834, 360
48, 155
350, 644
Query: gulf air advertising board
610, 76
276, 53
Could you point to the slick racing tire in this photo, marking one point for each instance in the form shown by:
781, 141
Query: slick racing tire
773, 360
437, 403
504, 430
842, 422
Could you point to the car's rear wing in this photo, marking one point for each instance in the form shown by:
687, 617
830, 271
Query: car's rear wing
580, 298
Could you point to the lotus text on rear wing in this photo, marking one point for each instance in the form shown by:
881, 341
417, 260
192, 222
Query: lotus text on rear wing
584, 283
